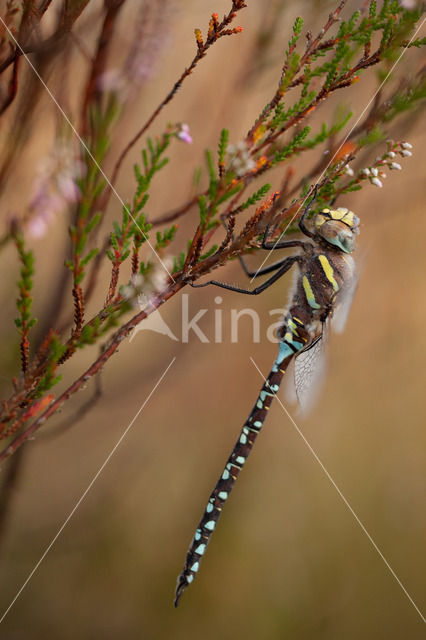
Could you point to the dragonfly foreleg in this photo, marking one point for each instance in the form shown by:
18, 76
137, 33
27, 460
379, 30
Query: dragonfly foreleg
280, 268
302, 226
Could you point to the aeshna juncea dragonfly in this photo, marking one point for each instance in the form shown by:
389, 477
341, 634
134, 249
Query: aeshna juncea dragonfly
325, 280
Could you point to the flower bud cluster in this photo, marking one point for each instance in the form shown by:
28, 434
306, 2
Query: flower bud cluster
241, 161
375, 174
142, 288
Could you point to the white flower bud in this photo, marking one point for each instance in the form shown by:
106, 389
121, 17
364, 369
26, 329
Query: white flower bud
137, 280
374, 171
376, 182
390, 154
349, 170
366, 171
406, 153
406, 145
395, 165
127, 291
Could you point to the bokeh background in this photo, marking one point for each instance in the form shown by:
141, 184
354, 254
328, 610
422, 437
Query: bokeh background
288, 559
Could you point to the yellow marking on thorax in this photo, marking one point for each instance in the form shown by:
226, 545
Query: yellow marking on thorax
328, 270
309, 293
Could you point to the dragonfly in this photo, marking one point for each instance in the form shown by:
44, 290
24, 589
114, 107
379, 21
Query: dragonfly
325, 282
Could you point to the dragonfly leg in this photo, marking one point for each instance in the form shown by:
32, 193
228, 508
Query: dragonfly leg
270, 246
280, 269
302, 226
263, 270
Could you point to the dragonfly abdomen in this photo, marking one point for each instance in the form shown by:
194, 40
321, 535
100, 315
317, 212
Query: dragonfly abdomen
294, 337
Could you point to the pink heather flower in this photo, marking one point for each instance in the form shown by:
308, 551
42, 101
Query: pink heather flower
68, 187
183, 134
37, 227
150, 40
111, 80
55, 187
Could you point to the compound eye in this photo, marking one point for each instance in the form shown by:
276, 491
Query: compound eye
347, 242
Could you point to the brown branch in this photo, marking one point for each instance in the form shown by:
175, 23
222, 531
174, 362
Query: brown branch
312, 45
96, 265
12, 88
30, 22
229, 234
176, 213
113, 283
343, 81
135, 260
92, 92
214, 34
63, 426
77, 294
8, 488
110, 349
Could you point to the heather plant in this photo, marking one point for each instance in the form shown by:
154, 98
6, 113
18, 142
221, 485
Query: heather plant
244, 188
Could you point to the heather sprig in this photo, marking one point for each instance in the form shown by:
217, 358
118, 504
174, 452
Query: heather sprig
24, 302
231, 201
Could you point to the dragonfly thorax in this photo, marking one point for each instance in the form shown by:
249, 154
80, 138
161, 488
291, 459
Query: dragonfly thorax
338, 227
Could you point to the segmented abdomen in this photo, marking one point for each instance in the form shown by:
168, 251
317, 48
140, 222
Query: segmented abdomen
293, 338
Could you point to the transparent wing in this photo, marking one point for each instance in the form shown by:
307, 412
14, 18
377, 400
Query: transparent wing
288, 387
341, 313
309, 370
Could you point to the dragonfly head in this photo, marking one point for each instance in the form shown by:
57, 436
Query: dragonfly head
337, 227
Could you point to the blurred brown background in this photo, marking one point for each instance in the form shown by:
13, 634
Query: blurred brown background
288, 559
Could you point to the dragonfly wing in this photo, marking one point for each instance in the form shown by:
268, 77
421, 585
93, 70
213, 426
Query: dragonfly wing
340, 315
289, 388
309, 368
